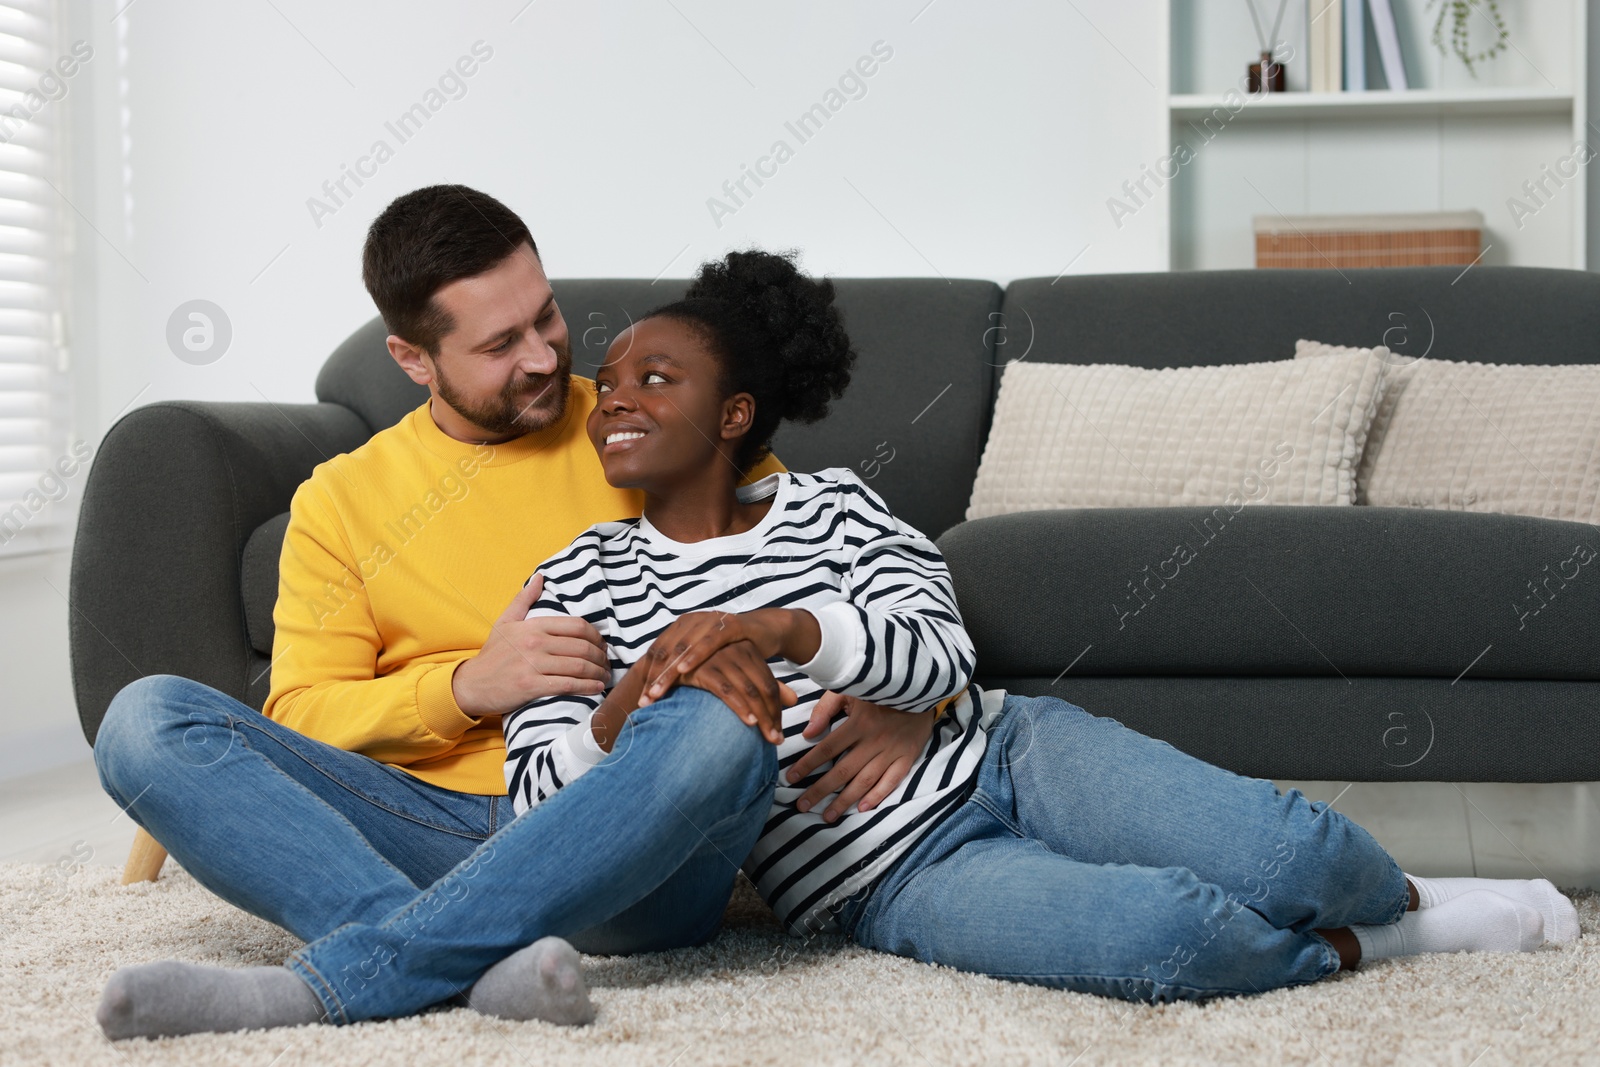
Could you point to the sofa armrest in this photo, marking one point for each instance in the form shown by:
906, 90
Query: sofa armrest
175, 491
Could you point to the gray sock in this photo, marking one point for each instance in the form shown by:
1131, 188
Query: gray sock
541, 981
171, 998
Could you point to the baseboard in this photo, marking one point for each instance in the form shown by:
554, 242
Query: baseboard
31, 751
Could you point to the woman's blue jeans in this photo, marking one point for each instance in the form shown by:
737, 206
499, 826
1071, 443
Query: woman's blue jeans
1094, 858
408, 892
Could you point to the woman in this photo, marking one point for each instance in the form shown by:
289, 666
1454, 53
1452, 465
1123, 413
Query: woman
1032, 840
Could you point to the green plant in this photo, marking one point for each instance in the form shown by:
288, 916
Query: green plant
1460, 14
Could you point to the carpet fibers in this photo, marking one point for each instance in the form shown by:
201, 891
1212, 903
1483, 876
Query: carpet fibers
756, 996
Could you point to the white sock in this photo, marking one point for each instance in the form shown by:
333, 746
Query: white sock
1476, 921
1560, 917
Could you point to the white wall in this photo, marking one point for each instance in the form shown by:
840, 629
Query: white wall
38, 726
984, 147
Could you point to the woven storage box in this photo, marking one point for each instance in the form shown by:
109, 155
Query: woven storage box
1341, 241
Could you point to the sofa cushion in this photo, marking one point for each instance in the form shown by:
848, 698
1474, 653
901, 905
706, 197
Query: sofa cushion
1351, 729
258, 580
1105, 435
1266, 590
1508, 438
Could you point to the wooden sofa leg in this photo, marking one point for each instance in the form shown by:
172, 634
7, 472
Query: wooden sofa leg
144, 859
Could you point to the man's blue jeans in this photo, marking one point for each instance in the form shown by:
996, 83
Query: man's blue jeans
1095, 858
405, 892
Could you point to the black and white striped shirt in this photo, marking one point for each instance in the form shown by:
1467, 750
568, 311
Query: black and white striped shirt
891, 634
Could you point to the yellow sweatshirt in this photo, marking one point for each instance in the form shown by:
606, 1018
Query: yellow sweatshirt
398, 558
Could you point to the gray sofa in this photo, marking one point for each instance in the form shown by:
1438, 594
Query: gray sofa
1353, 643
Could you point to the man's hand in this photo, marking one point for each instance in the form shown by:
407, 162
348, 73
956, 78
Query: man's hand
873, 750
525, 659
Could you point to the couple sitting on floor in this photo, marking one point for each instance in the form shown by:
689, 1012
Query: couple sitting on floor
719, 664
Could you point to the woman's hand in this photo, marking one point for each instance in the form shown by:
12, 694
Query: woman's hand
873, 750
689, 641
737, 674
741, 677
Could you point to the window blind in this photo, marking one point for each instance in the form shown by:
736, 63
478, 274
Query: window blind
41, 473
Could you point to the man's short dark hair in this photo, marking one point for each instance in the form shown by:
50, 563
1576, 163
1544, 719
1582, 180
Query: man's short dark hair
427, 239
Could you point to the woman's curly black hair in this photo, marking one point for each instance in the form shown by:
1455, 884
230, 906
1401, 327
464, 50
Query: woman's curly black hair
776, 333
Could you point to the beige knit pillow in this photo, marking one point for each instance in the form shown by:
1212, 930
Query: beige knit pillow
1107, 435
1505, 437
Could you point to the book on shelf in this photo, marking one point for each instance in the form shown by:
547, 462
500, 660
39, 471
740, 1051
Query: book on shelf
1326, 19
1355, 51
1342, 242
1383, 29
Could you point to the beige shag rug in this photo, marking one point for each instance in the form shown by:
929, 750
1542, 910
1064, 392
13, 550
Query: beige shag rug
754, 996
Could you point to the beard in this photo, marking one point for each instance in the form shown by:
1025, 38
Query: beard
514, 410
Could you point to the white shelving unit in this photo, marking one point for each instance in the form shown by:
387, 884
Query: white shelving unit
1450, 144
1383, 103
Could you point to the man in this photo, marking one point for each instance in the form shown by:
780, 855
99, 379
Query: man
377, 767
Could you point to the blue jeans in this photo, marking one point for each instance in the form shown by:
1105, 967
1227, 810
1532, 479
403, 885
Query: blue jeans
1094, 858
406, 892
